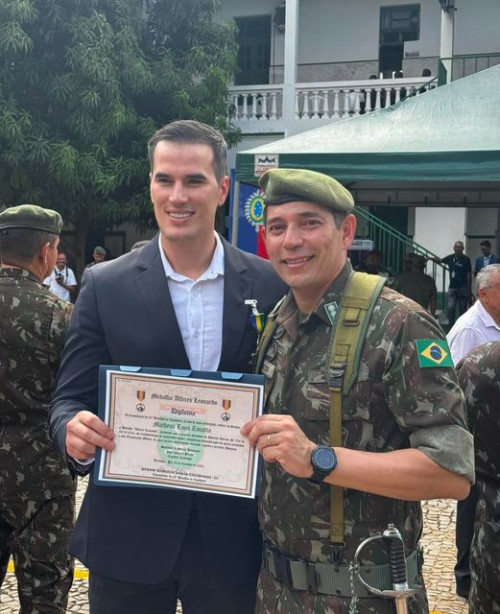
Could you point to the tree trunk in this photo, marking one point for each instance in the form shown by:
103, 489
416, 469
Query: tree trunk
82, 226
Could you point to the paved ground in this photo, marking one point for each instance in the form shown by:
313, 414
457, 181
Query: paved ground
439, 552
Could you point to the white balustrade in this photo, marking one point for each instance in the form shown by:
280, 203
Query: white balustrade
321, 100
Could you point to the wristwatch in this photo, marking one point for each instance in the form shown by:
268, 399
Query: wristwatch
323, 461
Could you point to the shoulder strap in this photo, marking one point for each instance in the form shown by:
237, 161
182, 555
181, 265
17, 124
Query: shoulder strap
357, 304
266, 336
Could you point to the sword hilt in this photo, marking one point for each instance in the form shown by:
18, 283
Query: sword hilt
397, 559
400, 589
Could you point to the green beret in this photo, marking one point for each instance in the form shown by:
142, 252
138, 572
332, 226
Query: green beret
283, 185
99, 250
31, 217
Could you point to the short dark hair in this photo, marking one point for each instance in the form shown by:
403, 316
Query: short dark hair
22, 244
193, 132
485, 243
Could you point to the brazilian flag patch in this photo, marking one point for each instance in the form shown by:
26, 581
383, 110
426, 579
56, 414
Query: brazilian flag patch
433, 353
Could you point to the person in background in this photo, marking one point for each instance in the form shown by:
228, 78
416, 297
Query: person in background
372, 264
426, 72
479, 377
478, 325
62, 280
37, 491
98, 256
459, 290
415, 284
486, 258
481, 323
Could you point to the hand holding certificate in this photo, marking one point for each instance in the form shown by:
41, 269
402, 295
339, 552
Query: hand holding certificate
179, 432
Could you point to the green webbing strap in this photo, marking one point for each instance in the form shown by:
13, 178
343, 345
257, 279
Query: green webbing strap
357, 303
266, 336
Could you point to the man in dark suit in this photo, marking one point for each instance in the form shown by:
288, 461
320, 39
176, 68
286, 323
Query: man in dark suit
179, 302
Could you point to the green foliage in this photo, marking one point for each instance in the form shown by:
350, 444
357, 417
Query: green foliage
85, 83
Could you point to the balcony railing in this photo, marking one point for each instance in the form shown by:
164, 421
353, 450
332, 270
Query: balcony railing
463, 65
323, 100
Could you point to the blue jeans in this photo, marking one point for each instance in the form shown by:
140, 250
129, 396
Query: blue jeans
457, 297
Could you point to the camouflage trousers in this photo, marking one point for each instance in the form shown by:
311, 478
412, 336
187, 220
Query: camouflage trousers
38, 537
276, 598
484, 596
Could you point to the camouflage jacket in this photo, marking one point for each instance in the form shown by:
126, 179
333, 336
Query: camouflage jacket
479, 377
33, 323
393, 404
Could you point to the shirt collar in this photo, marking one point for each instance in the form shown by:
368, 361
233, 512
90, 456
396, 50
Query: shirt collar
215, 268
20, 273
332, 295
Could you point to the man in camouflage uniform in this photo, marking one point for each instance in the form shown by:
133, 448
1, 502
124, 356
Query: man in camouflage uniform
36, 488
404, 433
416, 284
479, 377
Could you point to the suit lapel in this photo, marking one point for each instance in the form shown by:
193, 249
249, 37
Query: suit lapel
237, 288
152, 286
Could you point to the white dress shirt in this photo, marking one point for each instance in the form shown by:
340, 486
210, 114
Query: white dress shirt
198, 306
68, 279
472, 329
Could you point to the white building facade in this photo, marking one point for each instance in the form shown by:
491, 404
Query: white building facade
304, 63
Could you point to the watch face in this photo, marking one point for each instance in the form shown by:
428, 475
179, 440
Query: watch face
324, 458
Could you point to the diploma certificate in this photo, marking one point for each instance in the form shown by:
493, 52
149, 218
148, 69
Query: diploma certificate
180, 432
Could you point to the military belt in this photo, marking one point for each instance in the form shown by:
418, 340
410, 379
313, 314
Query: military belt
331, 579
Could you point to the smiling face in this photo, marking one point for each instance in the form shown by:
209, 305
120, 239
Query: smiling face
306, 248
61, 261
185, 192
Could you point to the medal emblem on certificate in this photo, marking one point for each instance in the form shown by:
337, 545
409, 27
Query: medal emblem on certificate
141, 395
226, 404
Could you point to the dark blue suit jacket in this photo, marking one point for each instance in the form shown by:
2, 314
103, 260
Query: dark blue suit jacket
124, 315
480, 262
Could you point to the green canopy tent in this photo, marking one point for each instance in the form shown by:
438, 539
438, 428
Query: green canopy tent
437, 148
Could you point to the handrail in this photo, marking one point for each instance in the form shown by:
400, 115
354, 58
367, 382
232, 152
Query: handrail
466, 64
394, 245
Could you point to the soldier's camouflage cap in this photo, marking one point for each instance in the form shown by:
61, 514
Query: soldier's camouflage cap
31, 217
284, 185
99, 250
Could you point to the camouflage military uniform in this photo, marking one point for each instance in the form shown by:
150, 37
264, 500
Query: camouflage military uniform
36, 488
394, 404
479, 377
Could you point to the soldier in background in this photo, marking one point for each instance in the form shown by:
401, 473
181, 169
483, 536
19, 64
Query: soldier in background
416, 284
36, 488
403, 431
98, 256
479, 377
